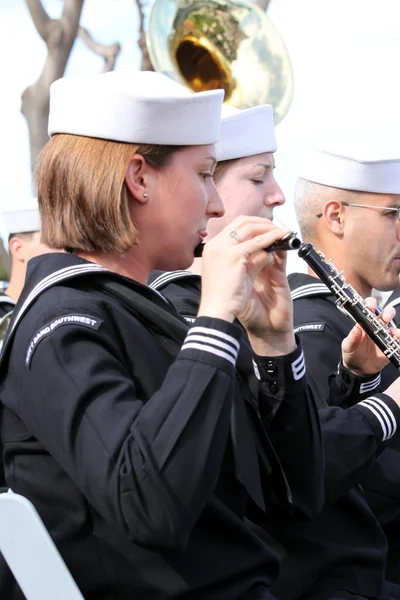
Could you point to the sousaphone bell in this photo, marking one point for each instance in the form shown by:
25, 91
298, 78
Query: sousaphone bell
228, 44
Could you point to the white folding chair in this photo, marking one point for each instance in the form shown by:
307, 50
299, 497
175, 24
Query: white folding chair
31, 553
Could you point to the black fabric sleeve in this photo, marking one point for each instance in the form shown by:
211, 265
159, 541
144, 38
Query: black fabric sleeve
351, 439
294, 431
347, 389
147, 466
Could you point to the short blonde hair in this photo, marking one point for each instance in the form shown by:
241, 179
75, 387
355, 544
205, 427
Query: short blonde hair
82, 195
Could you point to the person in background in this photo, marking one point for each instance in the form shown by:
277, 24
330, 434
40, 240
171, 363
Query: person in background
347, 201
342, 551
23, 227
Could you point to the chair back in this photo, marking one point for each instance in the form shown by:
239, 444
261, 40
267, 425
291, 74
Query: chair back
31, 553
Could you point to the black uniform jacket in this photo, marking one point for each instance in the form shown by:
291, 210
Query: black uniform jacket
285, 418
134, 458
335, 551
394, 300
321, 328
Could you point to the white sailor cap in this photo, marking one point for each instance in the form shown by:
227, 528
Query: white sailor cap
142, 107
246, 132
23, 219
361, 167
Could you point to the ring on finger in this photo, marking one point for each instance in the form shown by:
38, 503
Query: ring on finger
234, 234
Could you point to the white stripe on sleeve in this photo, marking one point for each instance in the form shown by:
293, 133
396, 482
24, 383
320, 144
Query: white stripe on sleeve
211, 340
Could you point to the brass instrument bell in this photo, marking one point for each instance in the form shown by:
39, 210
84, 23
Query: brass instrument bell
228, 44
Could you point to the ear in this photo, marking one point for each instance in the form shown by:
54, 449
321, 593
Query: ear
333, 216
16, 246
137, 178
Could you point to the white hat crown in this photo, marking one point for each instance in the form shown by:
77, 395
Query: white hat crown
24, 219
361, 168
246, 132
143, 107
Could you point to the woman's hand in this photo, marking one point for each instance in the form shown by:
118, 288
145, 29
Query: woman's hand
241, 280
359, 353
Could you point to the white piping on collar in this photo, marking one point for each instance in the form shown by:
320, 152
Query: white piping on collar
167, 277
46, 283
311, 289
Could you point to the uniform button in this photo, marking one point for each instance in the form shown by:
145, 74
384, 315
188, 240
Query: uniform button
272, 369
344, 388
273, 387
346, 377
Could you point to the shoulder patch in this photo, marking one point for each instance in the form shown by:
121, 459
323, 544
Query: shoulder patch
77, 319
310, 327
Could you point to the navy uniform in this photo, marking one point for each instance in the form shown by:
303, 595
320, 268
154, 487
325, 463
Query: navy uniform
140, 474
394, 300
335, 551
344, 548
322, 328
18, 220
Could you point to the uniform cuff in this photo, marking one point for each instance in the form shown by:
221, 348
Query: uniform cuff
349, 384
281, 375
213, 341
383, 414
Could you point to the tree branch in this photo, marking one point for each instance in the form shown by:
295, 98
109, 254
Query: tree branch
39, 17
263, 4
72, 7
59, 35
108, 52
146, 62
141, 15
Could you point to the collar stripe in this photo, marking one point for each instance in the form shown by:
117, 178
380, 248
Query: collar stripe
50, 280
161, 280
310, 290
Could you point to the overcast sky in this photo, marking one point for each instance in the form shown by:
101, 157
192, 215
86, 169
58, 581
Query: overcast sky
345, 56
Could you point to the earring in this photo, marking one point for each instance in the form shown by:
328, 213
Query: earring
145, 195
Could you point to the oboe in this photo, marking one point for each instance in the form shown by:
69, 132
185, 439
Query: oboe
350, 302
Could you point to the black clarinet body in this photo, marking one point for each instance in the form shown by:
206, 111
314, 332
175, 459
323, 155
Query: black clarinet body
351, 303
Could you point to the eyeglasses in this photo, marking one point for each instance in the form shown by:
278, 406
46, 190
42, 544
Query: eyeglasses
385, 208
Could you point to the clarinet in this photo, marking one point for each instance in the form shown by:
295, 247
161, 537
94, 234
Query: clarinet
351, 303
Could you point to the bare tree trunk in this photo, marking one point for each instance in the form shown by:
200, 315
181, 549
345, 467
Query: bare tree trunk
59, 36
145, 64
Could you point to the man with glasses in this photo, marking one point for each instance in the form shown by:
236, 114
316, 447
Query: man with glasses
347, 205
